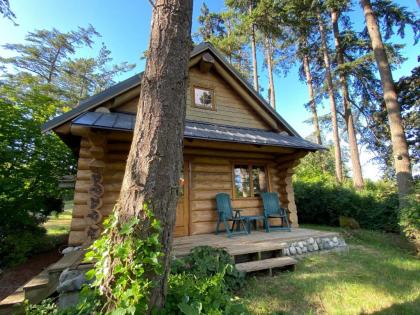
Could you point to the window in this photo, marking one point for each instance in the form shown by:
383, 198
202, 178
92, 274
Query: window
203, 98
250, 180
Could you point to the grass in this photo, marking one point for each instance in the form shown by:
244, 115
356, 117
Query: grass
59, 224
379, 275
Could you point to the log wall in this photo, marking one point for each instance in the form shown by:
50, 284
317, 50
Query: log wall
209, 174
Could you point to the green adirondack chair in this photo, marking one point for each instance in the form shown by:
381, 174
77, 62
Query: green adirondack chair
272, 209
226, 213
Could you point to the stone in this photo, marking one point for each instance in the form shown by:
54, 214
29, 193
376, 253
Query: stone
335, 239
286, 252
299, 250
316, 247
67, 250
325, 245
68, 299
311, 247
332, 244
350, 223
300, 244
304, 249
311, 240
292, 250
318, 241
71, 280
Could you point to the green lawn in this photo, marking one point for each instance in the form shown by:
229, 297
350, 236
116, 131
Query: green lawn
59, 224
378, 275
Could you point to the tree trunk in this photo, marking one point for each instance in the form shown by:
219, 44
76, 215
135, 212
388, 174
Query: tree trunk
254, 53
269, 57
312, 103
330, 88
155, 160
398, 139
348, 116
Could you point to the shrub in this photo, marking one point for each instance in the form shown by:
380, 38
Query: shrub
192, 294
410, 218
375, 207
206, 261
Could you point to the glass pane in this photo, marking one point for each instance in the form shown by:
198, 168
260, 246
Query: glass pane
242, 181
259, 180
203, 98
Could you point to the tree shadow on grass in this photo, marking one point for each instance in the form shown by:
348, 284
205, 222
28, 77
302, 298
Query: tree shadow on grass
407, 308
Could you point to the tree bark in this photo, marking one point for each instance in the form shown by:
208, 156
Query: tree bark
348, 116
398, 139
307, 69
155, 160
330, 88
254, 53
269, 57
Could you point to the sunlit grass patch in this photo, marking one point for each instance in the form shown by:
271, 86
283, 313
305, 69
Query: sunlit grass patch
375, 276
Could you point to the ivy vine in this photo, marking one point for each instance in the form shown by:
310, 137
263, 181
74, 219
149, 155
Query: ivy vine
132, 259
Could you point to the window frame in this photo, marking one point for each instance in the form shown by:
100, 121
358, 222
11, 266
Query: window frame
249, 164
209, 89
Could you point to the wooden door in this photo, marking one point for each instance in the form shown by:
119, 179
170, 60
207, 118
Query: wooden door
182, 209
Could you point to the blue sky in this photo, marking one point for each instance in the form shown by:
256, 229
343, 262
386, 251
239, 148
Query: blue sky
125, 25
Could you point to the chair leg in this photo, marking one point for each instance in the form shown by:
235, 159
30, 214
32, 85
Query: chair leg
217, 226
228, 231
267, 224
287, 223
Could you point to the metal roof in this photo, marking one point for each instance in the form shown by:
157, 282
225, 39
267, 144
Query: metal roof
200, 130
135, 80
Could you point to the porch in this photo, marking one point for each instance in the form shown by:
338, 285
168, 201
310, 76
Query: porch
263, 251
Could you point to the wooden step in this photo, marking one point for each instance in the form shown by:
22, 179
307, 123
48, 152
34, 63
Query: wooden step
266, 264
259, 247
13, 304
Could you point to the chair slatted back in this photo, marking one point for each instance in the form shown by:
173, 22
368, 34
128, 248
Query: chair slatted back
271, 203
224, 206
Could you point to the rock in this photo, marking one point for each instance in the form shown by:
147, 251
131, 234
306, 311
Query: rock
304, 249
300, 244
318, 241
332, 244
68, 299
286, 252
299, 250
311, 247
311, 240
292, 250
71, 280
350, 223
325, 245
316, 247
335, 239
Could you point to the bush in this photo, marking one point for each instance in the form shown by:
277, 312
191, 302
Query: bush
320, 200
206, 261
375, 207
192, 294
410, 218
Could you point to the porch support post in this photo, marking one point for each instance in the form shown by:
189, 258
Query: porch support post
285, 172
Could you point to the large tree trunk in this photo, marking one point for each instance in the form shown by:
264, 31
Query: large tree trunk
269, 58
348, 116
398, 139
154, 164
330, 88
307, 69
254, 52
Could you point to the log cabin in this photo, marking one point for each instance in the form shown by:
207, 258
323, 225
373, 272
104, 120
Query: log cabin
234, 142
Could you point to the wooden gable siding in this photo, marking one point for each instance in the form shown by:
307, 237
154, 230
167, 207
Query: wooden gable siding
208, 175
231, 108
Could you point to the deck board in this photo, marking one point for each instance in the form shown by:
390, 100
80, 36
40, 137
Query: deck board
265, 264
257, 241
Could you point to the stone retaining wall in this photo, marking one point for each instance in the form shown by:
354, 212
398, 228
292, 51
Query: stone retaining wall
314, 245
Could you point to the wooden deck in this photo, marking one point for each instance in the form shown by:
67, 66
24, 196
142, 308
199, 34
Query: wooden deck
256, 242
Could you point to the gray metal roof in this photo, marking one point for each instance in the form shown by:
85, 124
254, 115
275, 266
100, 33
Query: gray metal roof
135, 80
200, 130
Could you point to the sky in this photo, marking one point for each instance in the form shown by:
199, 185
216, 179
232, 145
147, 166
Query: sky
125, 26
